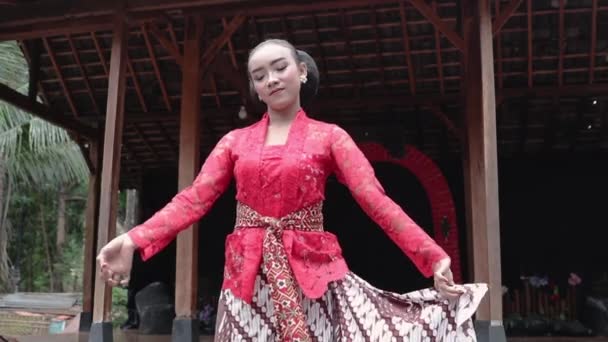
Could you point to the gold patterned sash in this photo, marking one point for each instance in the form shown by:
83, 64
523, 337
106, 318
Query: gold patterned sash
291, 321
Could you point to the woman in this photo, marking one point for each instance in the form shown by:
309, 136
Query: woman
285, 278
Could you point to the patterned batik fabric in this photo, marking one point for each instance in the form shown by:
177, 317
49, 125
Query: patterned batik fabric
353, 310
291, 321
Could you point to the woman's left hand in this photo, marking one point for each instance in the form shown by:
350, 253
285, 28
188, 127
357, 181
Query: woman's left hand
444, 280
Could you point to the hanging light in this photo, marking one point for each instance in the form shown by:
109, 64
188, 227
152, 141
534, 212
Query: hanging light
242, 113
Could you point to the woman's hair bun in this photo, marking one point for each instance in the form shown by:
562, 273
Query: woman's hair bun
309, 89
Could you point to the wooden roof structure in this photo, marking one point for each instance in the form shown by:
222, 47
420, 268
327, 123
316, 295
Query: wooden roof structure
155, 83
381, 63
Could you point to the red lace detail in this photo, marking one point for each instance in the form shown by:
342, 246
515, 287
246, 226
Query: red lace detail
293, 178
355, 171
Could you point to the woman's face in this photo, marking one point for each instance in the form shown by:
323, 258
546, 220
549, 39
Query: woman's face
276, 76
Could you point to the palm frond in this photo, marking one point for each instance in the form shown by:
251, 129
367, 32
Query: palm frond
59, 164
14, 71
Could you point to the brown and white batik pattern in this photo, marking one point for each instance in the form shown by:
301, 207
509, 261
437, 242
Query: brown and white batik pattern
353, 310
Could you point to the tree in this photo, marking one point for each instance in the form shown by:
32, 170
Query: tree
30, 149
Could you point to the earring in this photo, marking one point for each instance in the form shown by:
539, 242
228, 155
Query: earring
303, 79
260, 98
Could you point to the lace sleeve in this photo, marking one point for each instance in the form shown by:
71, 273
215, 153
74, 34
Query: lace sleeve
190, 204
355, 171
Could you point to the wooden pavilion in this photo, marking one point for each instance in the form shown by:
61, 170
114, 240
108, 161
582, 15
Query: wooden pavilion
155, 83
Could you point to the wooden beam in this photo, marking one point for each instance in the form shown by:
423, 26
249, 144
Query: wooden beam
89, 16
64, 86
438, 55
480, 164
84, 74
567, 90
505, 15
163, 88
561, 44
349, 49
136, 85
110, 170
218, 43
55, 28
168, 137
411, 74
321, 50
189, 143
498, 48
230, 47
593, 42
440, 114
142, 136
530, 47
91, 221
45, 112
439, 24
171, 48
218, 100
99, 50
378, 45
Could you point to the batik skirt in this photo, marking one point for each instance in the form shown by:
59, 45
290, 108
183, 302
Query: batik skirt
353, 310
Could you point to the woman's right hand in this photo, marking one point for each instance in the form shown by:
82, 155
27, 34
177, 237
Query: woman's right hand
115, 260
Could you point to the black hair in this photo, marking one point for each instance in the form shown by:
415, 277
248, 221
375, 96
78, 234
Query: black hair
308, 90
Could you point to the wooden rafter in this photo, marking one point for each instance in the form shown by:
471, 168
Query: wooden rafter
593, 42
102, 59
142, 136
288, 33
320, 49
440, 25
84, 74
498, 48
56, 28
171, 47
530, 61
406, 47
233, 76
438, 55
173, 36
218, 101
136, 85
349, 50
440, 114
64, 85
45, 112
230, 47
256, 32
505, 15
374, 16
167, 136
561, 44
83, 12
163, 88
218, 43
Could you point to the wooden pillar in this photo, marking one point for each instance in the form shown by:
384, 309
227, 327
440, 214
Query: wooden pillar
481, 167
185, 326
110, 172
92, 216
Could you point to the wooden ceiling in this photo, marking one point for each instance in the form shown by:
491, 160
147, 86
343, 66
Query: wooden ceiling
389, 69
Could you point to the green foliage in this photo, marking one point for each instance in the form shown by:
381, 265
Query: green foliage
27, 245
39, 159
119, 306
